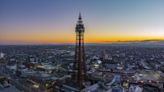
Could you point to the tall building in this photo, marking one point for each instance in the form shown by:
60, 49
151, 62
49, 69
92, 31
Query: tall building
79, 63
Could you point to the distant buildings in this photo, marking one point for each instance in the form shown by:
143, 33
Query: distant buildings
2, 55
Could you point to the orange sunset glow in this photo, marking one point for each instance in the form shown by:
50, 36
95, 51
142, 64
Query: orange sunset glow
105, 22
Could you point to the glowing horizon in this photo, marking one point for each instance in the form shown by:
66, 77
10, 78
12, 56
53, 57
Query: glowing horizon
51, 22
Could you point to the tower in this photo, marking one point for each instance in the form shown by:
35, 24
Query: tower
79, 63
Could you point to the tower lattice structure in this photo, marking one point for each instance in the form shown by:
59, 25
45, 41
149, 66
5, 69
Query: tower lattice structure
79, 63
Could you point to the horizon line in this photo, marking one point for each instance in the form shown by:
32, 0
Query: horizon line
105, 42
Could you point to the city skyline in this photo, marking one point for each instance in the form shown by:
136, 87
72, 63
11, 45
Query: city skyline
52, 21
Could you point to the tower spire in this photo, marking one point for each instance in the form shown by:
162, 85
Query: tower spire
80, 16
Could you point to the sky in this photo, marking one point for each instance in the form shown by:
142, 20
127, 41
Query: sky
106, 21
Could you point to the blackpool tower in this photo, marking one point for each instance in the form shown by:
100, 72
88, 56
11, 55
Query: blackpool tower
79, 63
